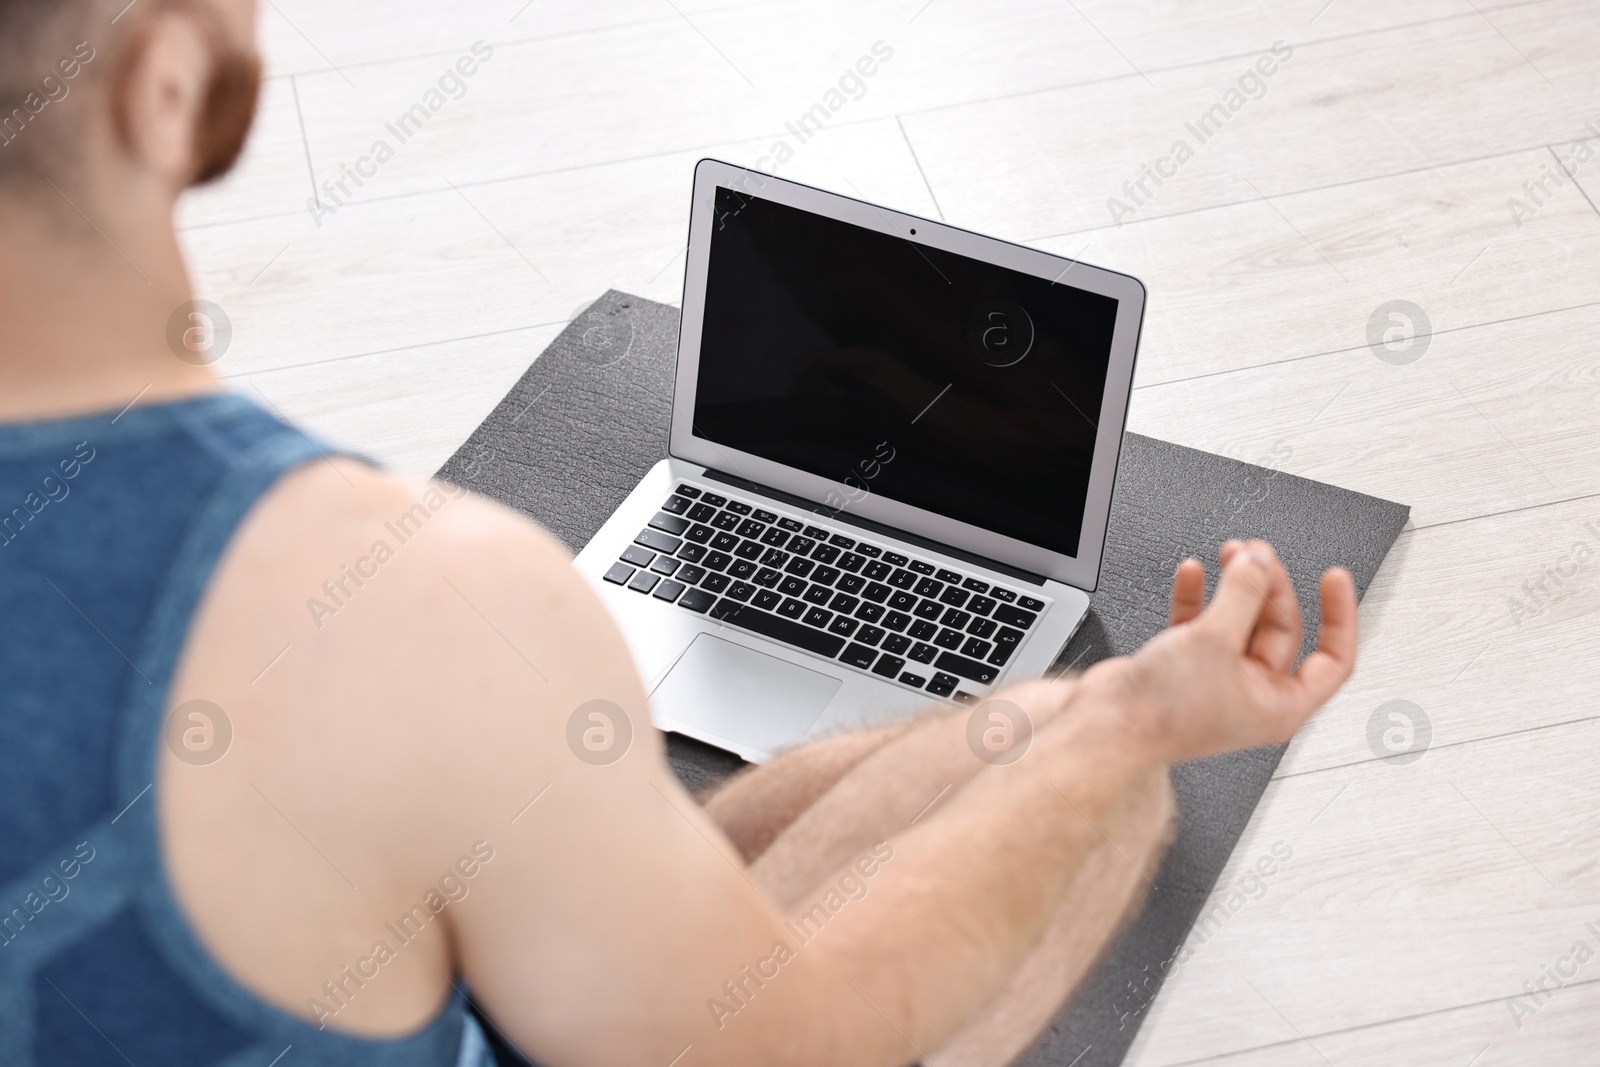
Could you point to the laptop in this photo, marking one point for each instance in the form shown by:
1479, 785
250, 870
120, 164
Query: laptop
892, 454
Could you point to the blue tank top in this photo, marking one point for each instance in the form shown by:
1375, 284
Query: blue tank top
110, 527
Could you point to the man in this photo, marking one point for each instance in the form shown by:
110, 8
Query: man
395, 806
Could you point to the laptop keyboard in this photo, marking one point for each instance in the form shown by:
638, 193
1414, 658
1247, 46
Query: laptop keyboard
917, 623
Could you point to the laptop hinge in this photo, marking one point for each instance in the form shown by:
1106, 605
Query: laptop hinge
876, 527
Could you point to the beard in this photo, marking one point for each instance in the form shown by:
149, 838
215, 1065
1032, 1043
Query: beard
229, 111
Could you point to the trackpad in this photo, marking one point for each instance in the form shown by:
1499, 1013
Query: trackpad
757, 704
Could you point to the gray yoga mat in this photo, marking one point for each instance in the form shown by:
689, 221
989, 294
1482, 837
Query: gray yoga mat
589, 418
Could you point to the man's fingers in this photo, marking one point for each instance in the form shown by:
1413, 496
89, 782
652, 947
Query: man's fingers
1188, 592
1276, 641
1241, 593
1326, 669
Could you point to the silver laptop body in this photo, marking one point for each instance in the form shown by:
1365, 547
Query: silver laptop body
892, 455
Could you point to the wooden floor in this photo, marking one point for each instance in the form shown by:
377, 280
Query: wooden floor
1401, 150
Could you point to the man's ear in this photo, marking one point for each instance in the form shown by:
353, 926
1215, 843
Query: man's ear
159, 93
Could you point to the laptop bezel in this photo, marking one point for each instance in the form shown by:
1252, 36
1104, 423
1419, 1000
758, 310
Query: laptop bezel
1081, 569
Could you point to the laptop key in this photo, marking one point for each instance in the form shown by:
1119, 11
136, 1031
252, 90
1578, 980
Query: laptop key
676, 505
923, 652
872, 551
825, 553
922, 630
751, 528
895, 559
696, 600
644, 581
843, 625
878, 570
977, 585
715, 583
818, 616
928, 609
943, 684
851, 562
739, 507
902, 601
665, 565
851, 583
868, 612
976, 647
692, 553
981, 627
699, 533
1008, 636
915, 681
859, 656
870, 635
741, 591
702, 512
929, 587
717, 561
766, 577
657, 540
841, 541
921, 567
619, 574
764, 516
949, 639
724, 542
775, 537
825, 575
687, 490
713, 499
774, 557
725, 520
1005, 595
897, 621
792, 586
981, 605
800, 566
778, 628
767, 600
816, 533
902, 579
1012, 616
947, 576
888, 666
818, 594
794, 525
672, 524
899, 644
876, 592
1001, 655
1030, 603
742, 569
956, 617
792, 608
970, 669
801, 546
954, 596
689, 574
668, 591
748, 550
638, 556
843, 602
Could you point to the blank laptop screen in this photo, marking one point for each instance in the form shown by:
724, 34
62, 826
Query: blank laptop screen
947, 383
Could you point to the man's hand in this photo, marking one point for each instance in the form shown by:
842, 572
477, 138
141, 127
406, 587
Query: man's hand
1222, 677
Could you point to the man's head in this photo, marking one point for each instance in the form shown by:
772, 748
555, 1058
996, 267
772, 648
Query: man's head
158, 90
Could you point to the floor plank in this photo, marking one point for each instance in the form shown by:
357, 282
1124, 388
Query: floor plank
1337, 111
1463, 873
1309, 273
